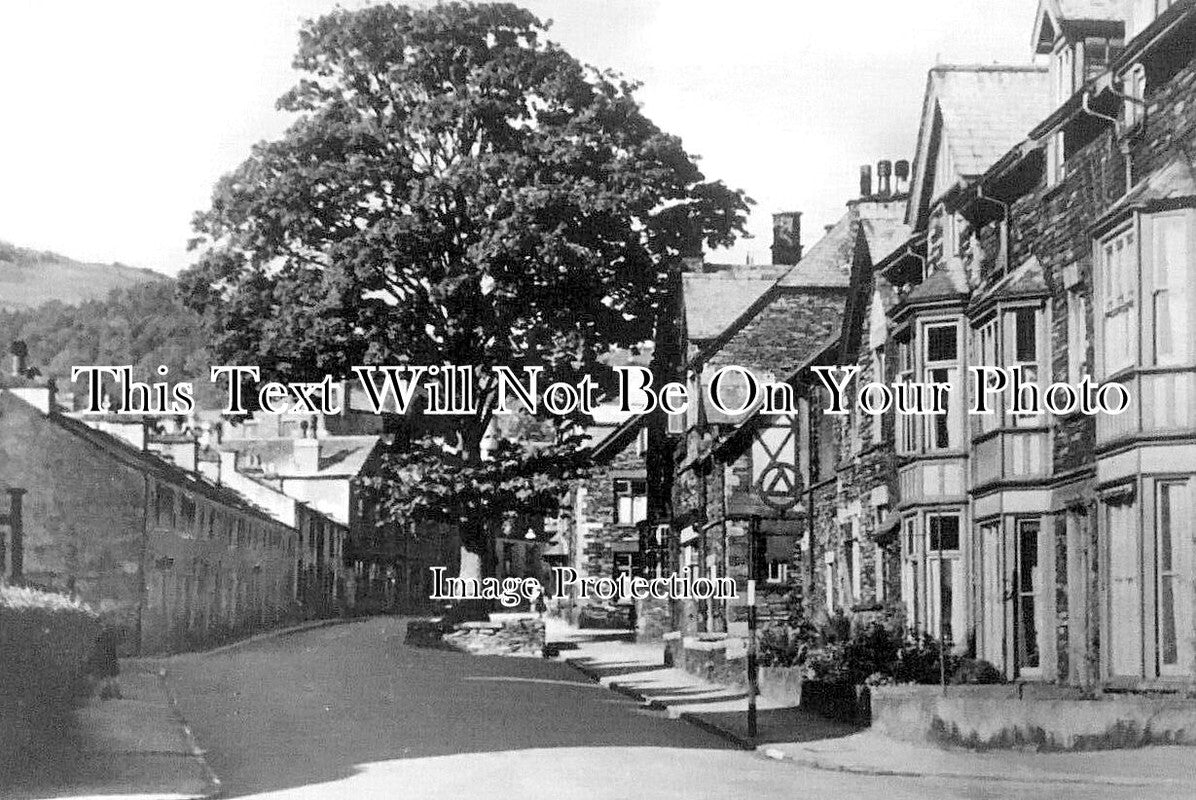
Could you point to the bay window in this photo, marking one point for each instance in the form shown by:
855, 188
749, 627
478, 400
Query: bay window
1150, 561
1026, 354
1173, 586
932, 582
988, 354
1153, 257
1119, 267
942, 366
907, 429
1169, 287
943, 578
1028, 592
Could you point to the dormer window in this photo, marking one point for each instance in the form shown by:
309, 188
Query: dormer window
1063, 71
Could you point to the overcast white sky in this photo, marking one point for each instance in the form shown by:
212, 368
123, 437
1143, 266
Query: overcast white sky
118, 116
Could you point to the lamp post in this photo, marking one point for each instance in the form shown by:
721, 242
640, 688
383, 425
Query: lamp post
753, 678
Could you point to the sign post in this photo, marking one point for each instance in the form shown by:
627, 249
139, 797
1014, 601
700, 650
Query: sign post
752, 677
776, 489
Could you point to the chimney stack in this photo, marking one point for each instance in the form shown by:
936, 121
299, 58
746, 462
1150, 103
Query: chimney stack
884, 174
866, 180
20, 351
306, 456
786, 237
901, 172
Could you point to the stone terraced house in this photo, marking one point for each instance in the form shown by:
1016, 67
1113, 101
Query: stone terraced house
1048, 227
171, 560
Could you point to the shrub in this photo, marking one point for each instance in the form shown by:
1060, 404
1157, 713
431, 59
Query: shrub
976, 671
45, 640
786, 646
870, 648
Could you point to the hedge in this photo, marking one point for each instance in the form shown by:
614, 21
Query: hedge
45, 640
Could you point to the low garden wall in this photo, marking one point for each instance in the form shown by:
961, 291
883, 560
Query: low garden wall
515, 636
1045, 717
45, 642
714, 657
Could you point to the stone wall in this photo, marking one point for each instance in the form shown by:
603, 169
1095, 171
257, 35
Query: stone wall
170, 563
1040, 716
512, 637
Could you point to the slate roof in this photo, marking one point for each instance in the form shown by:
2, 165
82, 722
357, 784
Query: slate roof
828, 262
145, 461
987, 110
716, 298
1176, 180
945, 284
340, 456
1028, 280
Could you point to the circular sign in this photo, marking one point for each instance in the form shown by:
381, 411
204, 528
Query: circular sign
778, 486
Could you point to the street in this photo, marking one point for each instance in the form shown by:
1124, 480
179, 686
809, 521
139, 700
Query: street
350, 711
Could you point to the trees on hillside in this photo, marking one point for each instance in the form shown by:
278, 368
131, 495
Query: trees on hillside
455, 189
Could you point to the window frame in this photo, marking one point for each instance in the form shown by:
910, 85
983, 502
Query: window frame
1179, 573
1173, 283
950, 423
1119, 295
1077, 335
632, 495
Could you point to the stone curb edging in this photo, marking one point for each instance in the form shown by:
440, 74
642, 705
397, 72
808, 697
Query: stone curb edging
261, 637
742, 742
773, 754
215, 788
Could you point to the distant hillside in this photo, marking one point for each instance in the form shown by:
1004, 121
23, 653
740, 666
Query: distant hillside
29, 278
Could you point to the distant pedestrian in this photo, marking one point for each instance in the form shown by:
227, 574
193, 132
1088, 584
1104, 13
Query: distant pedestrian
539, 603
104, 665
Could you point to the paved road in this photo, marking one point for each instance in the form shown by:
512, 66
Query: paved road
350, 711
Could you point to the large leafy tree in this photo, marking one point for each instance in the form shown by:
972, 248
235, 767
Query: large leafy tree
455, 189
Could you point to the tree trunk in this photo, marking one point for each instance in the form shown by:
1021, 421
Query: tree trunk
475, 541
471, 564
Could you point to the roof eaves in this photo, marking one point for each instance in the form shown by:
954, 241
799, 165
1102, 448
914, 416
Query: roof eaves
618, 439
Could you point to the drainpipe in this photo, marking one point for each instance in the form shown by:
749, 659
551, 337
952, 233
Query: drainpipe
1124, 145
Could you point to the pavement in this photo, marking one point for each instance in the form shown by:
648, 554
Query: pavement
134, 747
352, 711
789, 734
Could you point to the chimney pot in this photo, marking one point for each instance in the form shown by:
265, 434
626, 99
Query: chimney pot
901, 173
884, 174
866, 180
786, 237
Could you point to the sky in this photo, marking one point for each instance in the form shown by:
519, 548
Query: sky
119, 116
